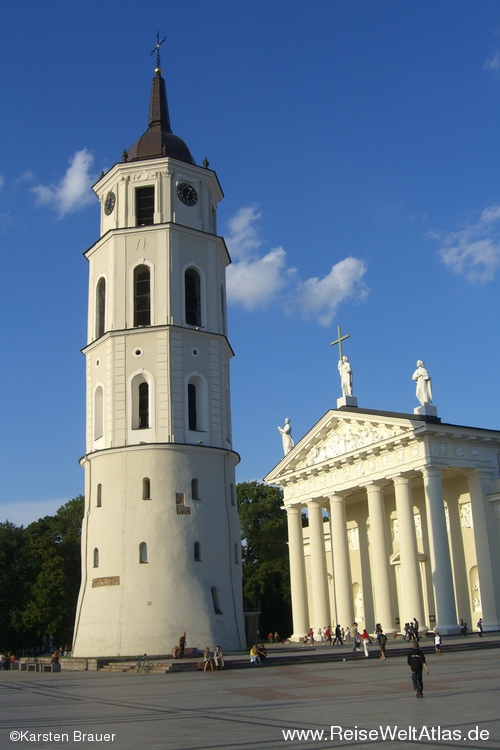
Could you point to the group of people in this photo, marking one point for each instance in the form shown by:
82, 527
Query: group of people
328, 636
258, 654
273, 637
410, 630
364, 639
6, 660
213, 662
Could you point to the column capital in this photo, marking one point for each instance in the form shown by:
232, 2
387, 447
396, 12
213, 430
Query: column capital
315, 503
336, 497
400, 478
429, 471
372, 483
292, 510
478, 473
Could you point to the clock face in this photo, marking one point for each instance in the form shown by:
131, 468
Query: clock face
109, 203
187, 193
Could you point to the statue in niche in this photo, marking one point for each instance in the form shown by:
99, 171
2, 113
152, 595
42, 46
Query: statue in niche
345, 371
476, 597
286, 437
466, 516
424, 384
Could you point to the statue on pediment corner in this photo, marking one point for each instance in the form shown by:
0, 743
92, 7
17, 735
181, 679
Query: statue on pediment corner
286, 437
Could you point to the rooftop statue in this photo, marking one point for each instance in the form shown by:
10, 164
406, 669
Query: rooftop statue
343, 366
424, 384
345, 371
286, 437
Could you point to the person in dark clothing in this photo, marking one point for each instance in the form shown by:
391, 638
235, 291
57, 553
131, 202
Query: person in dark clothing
417, 664
182, 645
338, 636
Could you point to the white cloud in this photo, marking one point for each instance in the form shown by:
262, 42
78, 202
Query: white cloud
322, 297
473, 252
255, 280
493, 63
73, 191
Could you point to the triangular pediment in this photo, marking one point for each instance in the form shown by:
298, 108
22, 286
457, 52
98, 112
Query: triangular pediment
340, 433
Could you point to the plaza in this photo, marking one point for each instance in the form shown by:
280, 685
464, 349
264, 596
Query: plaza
246, 709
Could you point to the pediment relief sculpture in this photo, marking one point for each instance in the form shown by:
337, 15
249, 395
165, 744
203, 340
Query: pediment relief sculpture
348, 437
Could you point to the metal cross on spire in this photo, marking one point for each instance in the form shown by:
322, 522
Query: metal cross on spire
157, 48
339, 341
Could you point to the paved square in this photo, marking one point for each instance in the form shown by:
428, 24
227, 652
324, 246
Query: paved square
248, 709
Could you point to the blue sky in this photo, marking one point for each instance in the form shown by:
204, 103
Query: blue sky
358, 146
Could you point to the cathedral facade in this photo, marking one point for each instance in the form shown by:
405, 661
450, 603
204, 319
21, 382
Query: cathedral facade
392, 517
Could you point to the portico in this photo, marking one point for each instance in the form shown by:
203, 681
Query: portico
392, 517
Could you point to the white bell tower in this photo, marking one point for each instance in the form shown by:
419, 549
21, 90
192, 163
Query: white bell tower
161, 537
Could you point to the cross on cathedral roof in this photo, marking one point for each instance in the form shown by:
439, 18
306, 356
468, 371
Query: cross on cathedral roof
339, 341
157, 49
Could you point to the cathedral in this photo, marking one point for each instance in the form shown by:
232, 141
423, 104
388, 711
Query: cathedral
161, 544
392, 517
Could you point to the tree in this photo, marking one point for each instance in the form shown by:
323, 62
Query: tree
266, 575
12, 584
52, 553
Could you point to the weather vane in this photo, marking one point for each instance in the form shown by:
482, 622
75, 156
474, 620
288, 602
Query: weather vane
157, 48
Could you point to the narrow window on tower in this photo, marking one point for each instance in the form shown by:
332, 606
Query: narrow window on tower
144, 206
192, 423
99, 496
146, 488
195, 489
98, 413
142, 296
100, 306
215, 601
143, 552
196, 405
143, 406
197, 552
96, 557
223, 309
192, 297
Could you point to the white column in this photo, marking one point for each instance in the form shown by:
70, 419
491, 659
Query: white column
300, 612
341, 562
411, 584
319, 579
379, 557
442, 579
487, 549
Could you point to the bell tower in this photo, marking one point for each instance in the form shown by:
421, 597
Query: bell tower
161, 537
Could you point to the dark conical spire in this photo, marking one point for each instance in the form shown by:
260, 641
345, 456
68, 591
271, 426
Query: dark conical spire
158, 140
158, 106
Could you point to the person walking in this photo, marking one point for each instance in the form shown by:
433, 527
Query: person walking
382, 640
437, 642
417, 664
338, 636
356, 637
366, 642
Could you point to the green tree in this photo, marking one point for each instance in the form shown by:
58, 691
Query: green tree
12, 585
52, 563
266, 575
